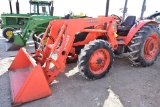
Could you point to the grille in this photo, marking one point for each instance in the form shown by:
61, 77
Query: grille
11, 21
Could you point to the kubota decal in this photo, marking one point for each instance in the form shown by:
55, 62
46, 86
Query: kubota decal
66, 42
92, 21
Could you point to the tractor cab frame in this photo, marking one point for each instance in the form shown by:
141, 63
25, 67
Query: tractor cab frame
41, 7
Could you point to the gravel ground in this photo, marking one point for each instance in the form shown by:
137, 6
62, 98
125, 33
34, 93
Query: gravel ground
123, 86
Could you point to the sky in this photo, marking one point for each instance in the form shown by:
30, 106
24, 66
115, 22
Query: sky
91, 8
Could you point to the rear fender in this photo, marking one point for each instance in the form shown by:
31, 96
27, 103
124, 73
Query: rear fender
136, 27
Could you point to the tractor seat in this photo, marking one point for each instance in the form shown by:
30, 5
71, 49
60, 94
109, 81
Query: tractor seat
126, 26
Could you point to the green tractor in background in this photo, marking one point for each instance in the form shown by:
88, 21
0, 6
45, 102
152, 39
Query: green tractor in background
14, 21
31, 25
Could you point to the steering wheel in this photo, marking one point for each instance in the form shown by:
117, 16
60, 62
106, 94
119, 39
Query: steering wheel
71, 13
118, 19
68, 16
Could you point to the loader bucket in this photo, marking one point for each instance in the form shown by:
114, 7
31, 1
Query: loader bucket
15, 45
27, 79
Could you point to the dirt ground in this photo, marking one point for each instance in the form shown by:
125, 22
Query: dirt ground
123, 86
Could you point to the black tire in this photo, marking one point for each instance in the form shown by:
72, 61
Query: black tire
38, 40
40, 37
138, 46
33, 36
5, 30
86, 54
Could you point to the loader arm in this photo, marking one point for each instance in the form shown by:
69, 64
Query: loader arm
63, 41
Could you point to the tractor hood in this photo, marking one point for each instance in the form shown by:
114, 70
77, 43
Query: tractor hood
16, 15
14, 20
42, 17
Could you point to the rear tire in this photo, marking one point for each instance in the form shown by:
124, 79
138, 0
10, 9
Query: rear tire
95, 59
144, 46
8, 32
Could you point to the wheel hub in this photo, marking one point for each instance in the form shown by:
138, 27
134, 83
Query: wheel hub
151, 47
99, 61
9, 33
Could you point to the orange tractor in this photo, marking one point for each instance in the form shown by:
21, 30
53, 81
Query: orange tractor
94, 41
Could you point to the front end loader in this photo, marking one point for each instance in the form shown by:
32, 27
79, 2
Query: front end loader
24, 76
35, 26
93, 41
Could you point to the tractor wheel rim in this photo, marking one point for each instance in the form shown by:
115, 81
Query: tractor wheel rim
151, 47
9, 33
99, 61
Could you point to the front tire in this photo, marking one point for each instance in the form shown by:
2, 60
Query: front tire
95, 59
38, 40
8, 32
144, 46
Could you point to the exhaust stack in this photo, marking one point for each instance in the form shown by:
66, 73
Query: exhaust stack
143, 9
17, 7
52, 8
107, 8
124, 10
10, 4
